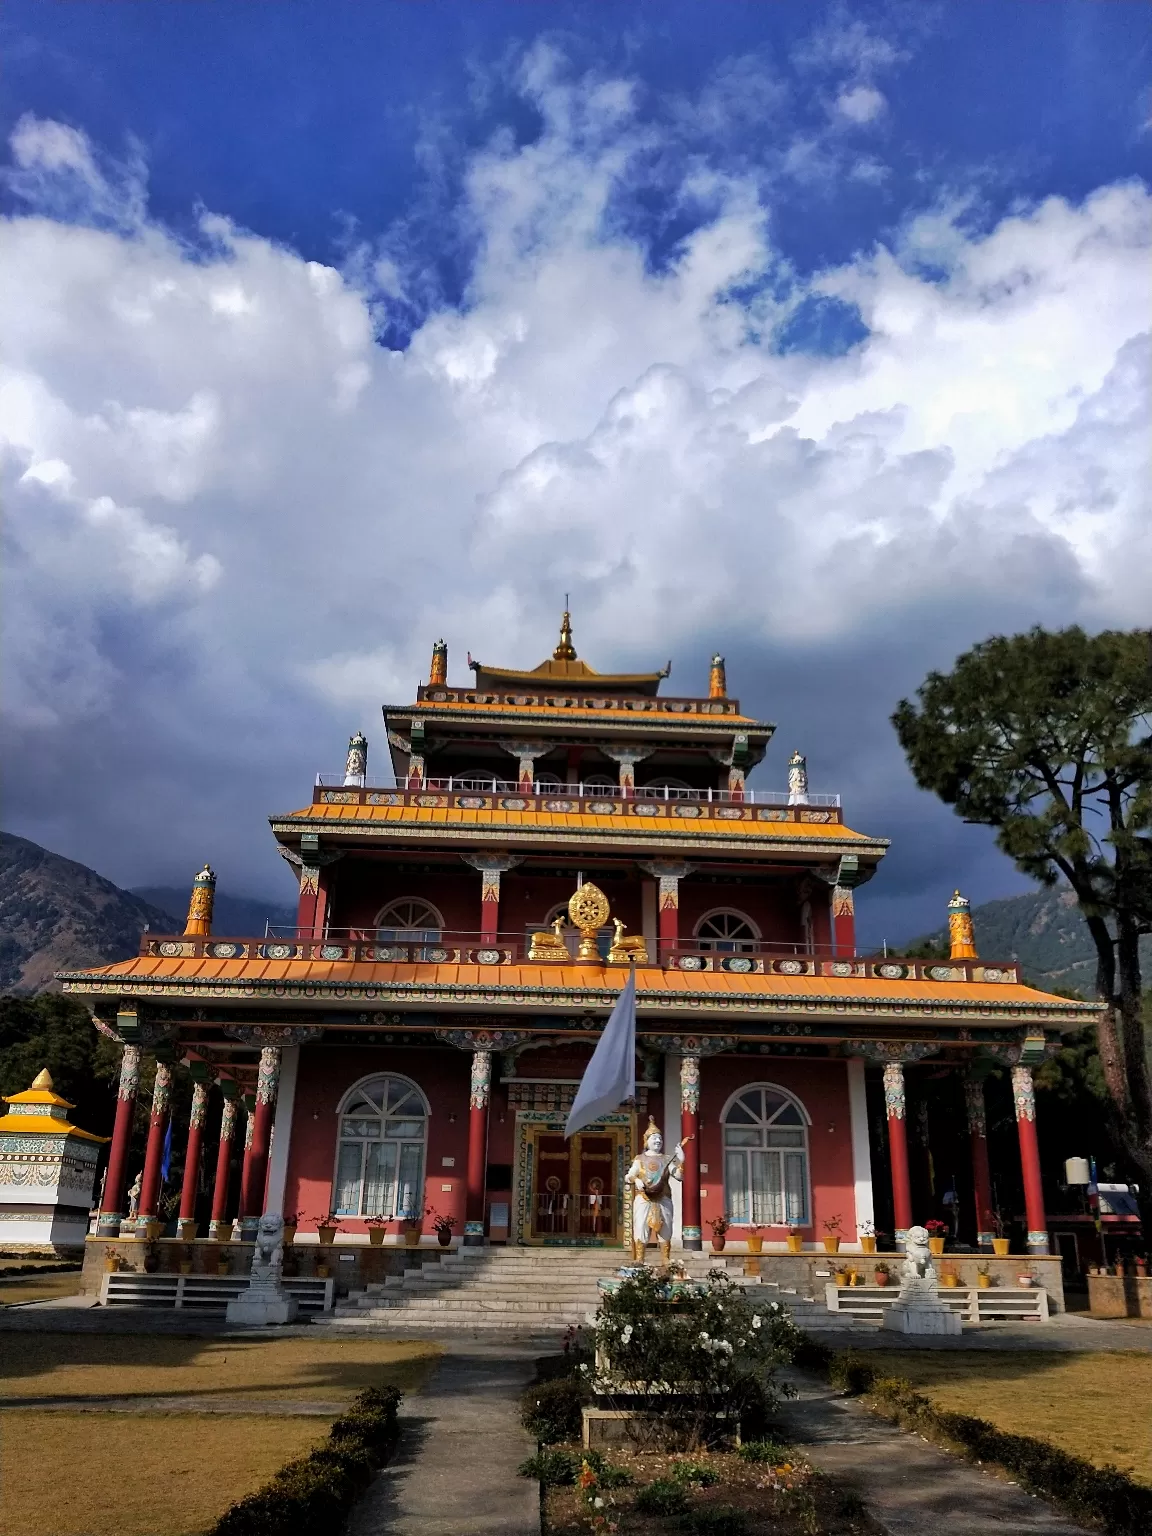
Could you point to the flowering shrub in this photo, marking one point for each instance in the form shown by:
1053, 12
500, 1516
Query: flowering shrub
692, 1351
551, 1409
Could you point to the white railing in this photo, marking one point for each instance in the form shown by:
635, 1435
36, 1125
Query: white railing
494, 786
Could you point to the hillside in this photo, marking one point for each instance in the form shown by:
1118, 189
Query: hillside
1044, 931
58, 915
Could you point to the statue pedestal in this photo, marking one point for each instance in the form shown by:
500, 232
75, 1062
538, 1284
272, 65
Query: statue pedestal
262, 1307
922, 1318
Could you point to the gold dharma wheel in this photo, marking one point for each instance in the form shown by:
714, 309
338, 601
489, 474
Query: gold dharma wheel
588, 908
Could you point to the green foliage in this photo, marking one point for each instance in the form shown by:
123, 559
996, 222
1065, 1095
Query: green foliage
550, 1410
1098, 1495
310, 1496
694, 1472
764, 1452
555, 1467
661, 1497
715, 1522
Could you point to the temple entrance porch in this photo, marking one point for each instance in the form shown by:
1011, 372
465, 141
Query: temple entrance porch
571, 1192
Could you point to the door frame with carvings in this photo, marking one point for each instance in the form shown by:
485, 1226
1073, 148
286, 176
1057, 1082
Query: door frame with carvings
526, 1182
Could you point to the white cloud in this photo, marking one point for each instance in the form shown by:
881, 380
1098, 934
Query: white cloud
861, 103
211, 448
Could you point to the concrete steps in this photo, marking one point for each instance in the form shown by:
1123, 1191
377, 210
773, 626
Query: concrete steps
526, 1290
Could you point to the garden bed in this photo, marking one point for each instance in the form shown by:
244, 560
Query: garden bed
780, 1496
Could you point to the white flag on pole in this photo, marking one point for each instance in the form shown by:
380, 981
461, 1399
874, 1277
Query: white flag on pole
610, 1077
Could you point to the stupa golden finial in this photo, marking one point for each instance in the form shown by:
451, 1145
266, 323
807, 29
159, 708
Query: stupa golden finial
565, 651
200, 907
961, 934
42, 1082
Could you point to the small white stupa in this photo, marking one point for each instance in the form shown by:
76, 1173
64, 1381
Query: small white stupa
47, 1170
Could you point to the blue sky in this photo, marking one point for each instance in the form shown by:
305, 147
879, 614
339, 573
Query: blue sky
818, 333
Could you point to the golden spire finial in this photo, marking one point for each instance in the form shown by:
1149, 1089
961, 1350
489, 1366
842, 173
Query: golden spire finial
43, 1080
200, 906
718, 679
565, 651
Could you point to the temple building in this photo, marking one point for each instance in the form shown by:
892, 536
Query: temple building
410, 1049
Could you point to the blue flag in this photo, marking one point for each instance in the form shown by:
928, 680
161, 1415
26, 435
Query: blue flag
610, 1077
166, 1160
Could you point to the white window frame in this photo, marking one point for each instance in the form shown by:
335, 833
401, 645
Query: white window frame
705, 942
342, 1109
806, 1122
391, 933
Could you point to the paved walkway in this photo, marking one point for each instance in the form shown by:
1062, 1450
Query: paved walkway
455, 1472
909, 1486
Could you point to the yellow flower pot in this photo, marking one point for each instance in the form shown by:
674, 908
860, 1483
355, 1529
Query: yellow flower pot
936, 1245
1000, 1247
289, 1234
327, 1235
795, 1241
831, 1245
376, 1236
755, 1242
983, 1281
950, 1281
867, 1245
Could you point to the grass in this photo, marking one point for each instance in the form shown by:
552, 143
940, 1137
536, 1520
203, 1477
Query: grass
65, 1366
131, 1475
1093, 1405
81, 1470
38, 1287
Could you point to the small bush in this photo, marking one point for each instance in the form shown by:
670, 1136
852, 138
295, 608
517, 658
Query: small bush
550, 1410
610, 1476
558, 1468
851, 1374
693, 1472
662, 1497
309, 1496
769, 1452
716, 1522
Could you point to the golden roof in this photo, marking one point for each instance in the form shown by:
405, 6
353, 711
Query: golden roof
49, 1113
564, 666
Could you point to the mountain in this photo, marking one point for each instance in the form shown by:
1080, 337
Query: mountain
1044, 931
56, 915
236, 917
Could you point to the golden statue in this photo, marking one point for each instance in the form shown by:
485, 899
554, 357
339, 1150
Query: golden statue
548, 944
588, 908
627, 951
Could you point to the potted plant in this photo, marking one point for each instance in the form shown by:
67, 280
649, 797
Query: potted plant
186, 1229
881, 1274
1141, 1265
412, 1226
719, 1226
755, 1239
832, 1235
867, 1236
983, 1276
327, 1228
186, 1254
442, 1226
949, 1277
1026, 1278
377, 1228
937, 1231
840, 1276
291, 1221
795, 1239
1000, 1240
111, 1261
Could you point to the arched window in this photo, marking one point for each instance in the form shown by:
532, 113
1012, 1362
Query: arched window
727, 932
548, 781
766, 1157
654, 789
409, 920
596, 781
476, 778
380, 1151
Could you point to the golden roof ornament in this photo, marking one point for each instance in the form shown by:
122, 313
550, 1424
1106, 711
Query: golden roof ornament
43, 1080
565, 651
588, 908
200, 907
718, 679
961, 934
438, 672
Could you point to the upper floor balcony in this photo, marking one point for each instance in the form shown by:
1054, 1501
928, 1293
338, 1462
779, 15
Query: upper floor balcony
435, 948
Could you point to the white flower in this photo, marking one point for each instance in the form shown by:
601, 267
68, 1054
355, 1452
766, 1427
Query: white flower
598, 1503
703, 1338
756, 1320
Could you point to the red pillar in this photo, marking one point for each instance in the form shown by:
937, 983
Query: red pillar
112, 1207
192, 1152
154, 1152
1024, 1095
843, 921
898, 1149
255, 1172
223, 1169
668, 917
981, 1174
690, 1220
489, 906
477, 1147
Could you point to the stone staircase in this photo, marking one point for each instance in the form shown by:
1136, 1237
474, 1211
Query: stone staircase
527, 1290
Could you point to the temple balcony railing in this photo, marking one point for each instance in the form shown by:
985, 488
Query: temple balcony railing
361, 946
473, 794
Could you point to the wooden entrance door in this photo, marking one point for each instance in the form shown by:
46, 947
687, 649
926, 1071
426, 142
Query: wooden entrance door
577, 1194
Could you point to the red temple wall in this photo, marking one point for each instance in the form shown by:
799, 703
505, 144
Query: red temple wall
326, 1074
822, 1088
775, 909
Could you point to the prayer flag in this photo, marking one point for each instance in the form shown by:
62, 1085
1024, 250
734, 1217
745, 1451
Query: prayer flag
166, 1160
610, 1077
